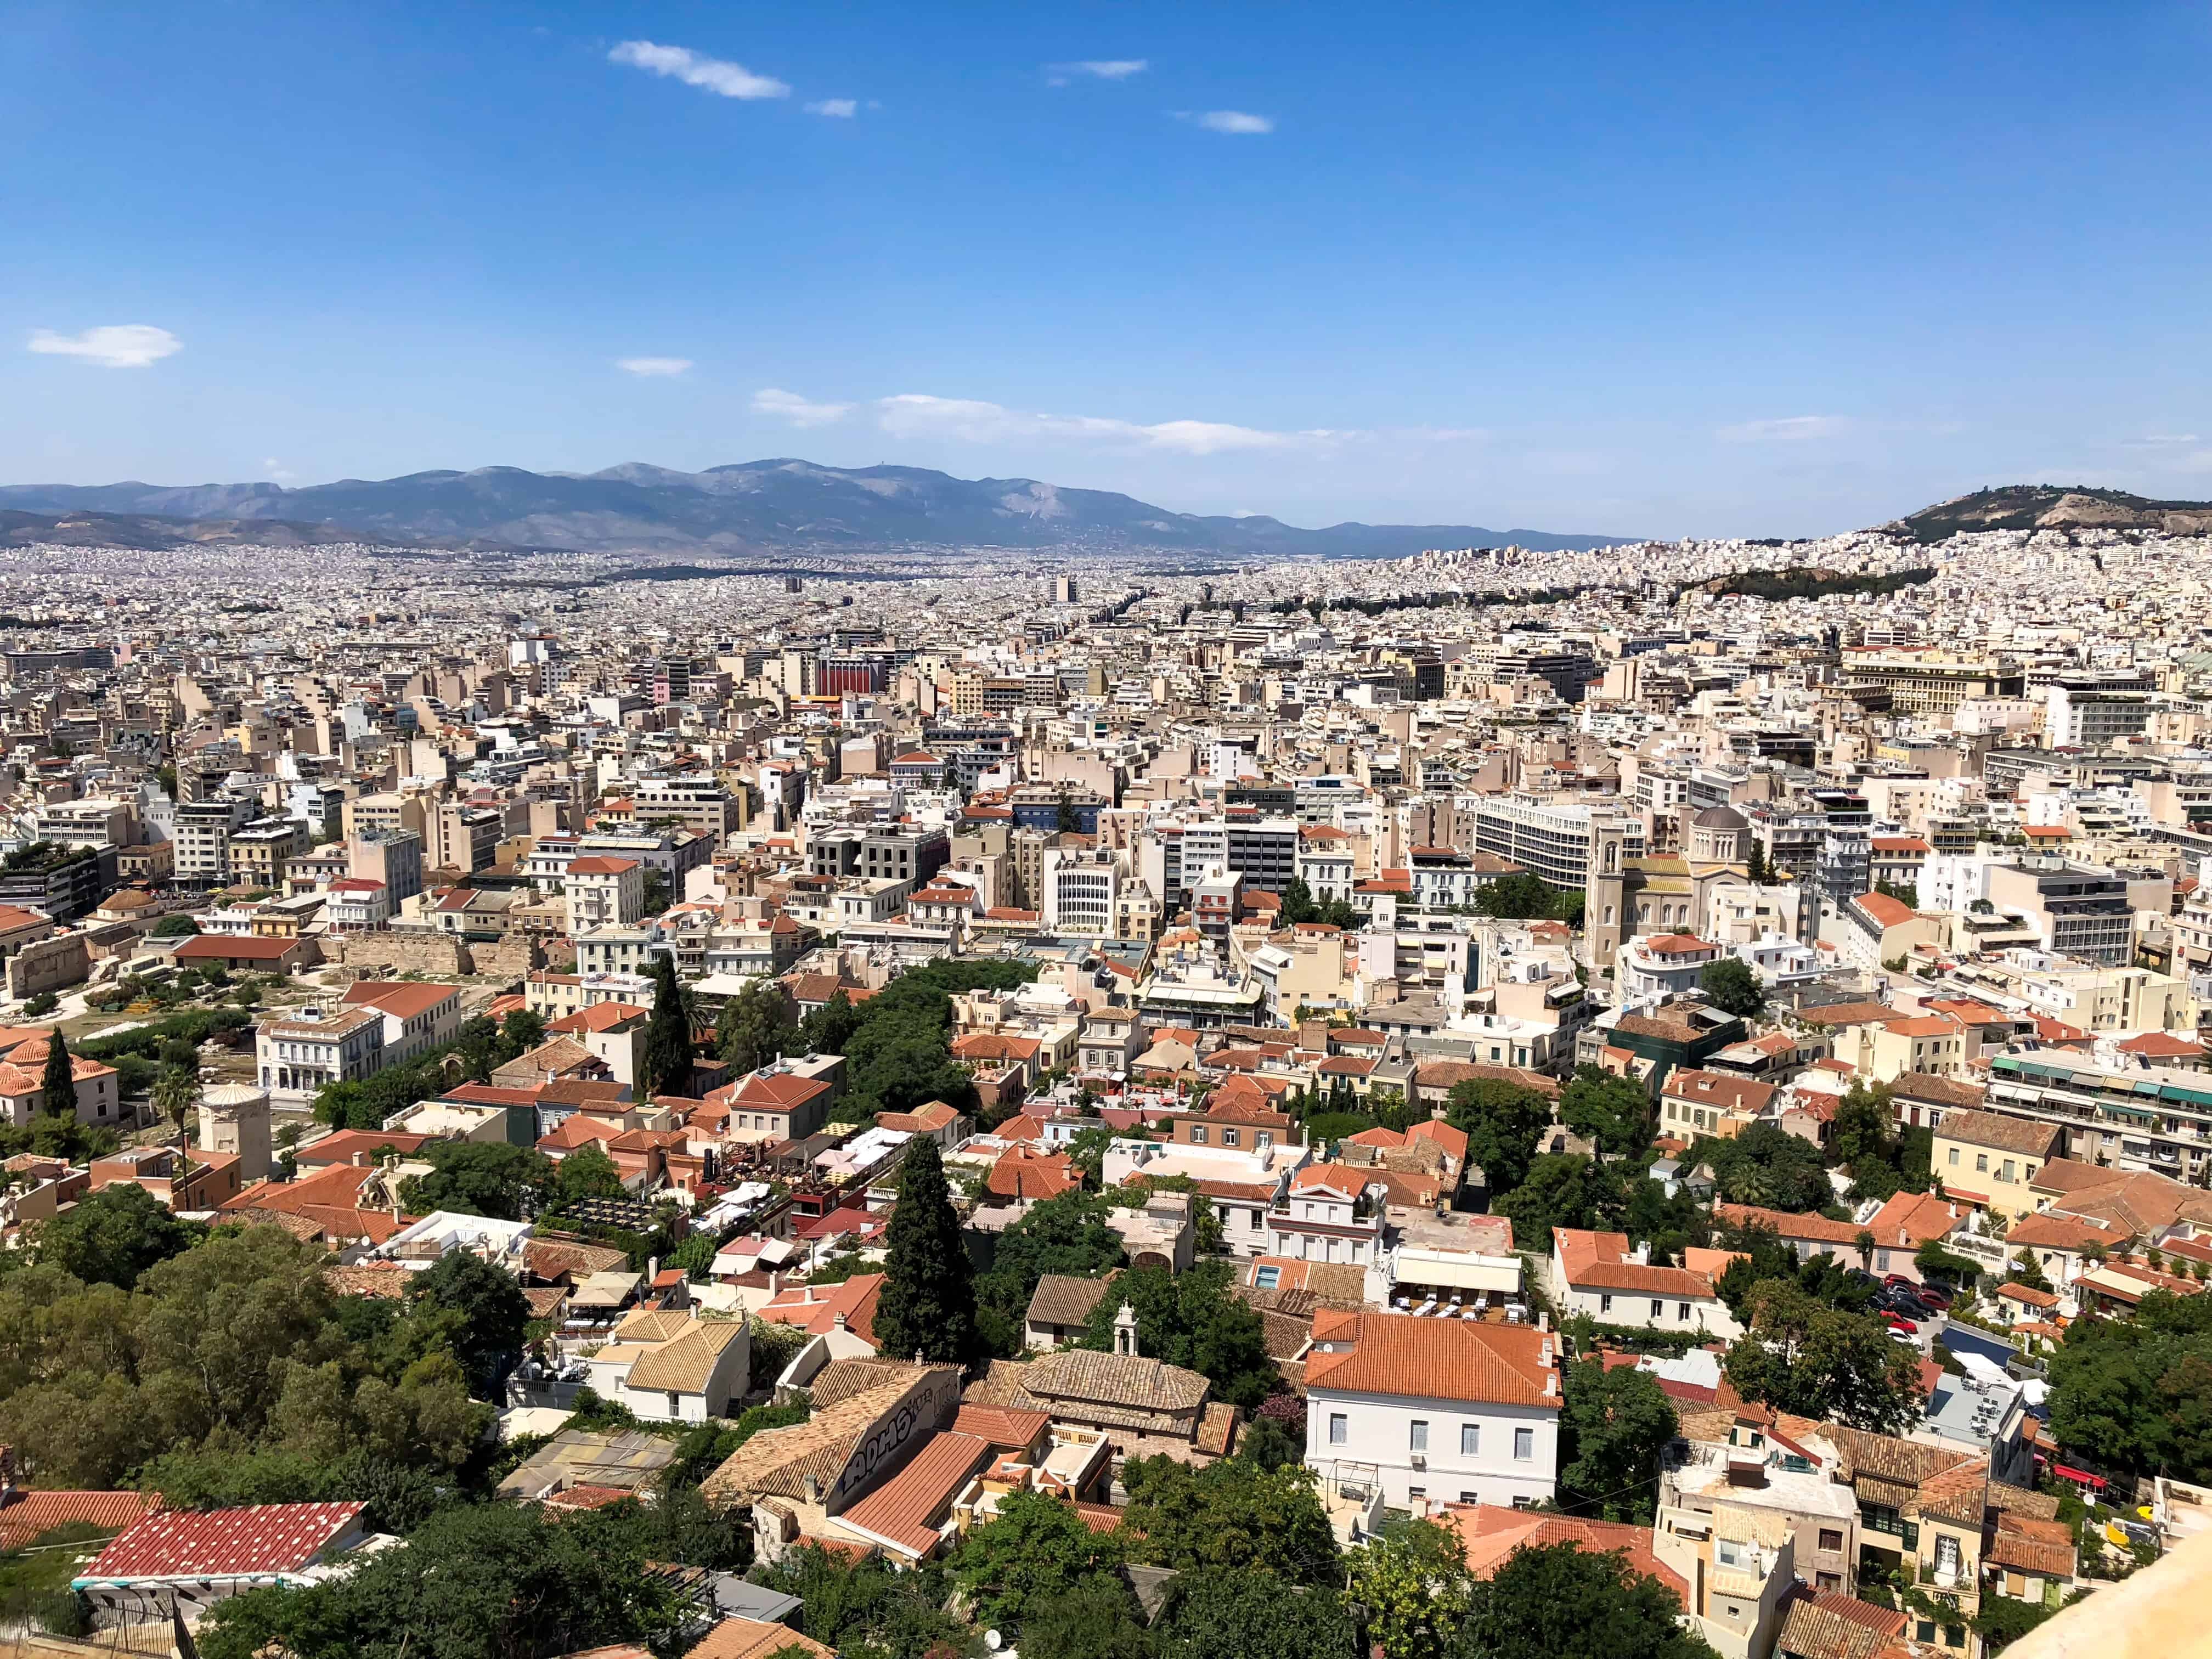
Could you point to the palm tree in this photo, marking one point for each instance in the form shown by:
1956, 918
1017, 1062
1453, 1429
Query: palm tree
1864, 1242
177, 1092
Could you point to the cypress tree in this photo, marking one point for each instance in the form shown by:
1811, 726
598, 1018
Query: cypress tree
58, 1095
928, 1304
665, 1062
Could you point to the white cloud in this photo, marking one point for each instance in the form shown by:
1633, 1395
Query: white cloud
277, 470
117, 345
843, 108
2162, 440
783, 405
714, 75
1102, 68
915, 414
1793, 428
654, 368
1230, 120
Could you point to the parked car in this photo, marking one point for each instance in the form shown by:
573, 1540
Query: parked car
1939, 1300
1900, 1279
1903, 1302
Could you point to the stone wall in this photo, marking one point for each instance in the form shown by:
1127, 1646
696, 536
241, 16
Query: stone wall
52, 964
401, 953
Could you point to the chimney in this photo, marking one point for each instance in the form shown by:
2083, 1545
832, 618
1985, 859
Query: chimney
841, 1322
775, 1281
813, 1490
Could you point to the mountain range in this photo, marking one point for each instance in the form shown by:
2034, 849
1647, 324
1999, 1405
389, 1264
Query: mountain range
754, 506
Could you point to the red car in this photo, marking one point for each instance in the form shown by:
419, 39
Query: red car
1939, 1300
1900, 1279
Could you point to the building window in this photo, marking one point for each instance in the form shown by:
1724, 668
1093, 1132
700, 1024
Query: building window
1830, 1539
1416, 1494
1981, 1162
1470, 1439
1954, 1156
1524, 1502
1198, 1134
1340, 1428
1470, 1498
1682, 1312
1418, 1440
1604, 1305
1658, 1309
2005, 1173
1524, 1445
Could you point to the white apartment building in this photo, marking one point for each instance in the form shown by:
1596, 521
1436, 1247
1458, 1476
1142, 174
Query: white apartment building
1316, 1218
1428, 1411
603, 892
299, 1053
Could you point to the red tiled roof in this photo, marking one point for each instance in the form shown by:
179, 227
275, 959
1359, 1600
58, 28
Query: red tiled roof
1429, 1359
260, 1538
28, 1514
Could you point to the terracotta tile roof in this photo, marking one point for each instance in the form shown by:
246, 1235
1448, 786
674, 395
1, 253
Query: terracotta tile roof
815, 1308
750, 1638
28, 1514
1823, 1625
260, 1539
1063, 1299
1003, 1426
903, 1510
1403, 1356
2017, 1135
1490, 1532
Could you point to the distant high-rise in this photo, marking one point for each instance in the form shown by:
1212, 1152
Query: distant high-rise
1063, 590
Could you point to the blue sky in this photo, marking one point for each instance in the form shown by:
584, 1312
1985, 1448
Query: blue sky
1755, 270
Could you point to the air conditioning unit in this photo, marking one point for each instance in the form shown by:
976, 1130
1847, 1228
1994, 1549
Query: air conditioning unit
1420, 1461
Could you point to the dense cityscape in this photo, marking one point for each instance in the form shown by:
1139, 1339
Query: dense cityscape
1647, 1101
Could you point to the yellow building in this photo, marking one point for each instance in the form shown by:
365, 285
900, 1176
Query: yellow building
1991, 1159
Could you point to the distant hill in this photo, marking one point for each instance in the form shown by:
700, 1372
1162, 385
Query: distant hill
756, 507
2051, 506
161, 533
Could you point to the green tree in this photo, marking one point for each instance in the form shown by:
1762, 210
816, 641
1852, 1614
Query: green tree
830, 1027
1097, 1619
664, 1060
1415, 1584
1064, 823
870, 1610
58, 1088
1193, 1320
1564, 1189
113, 1236
586, 1172
523, 1029
1504, 1124
1803, 1357
478, 1177
1035, 1547
176, 925
1731, 986
1613, 1425
175, 1094
1612, 1110
1755, 867
1299, 907
490, 1313
1232, 1516
928, 1304
1067, 1235
1768, 1168
1566, 1602
1519, 897
509, 1581
753, 1026
1212, 1612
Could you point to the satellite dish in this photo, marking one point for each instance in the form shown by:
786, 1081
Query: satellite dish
992, 1640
